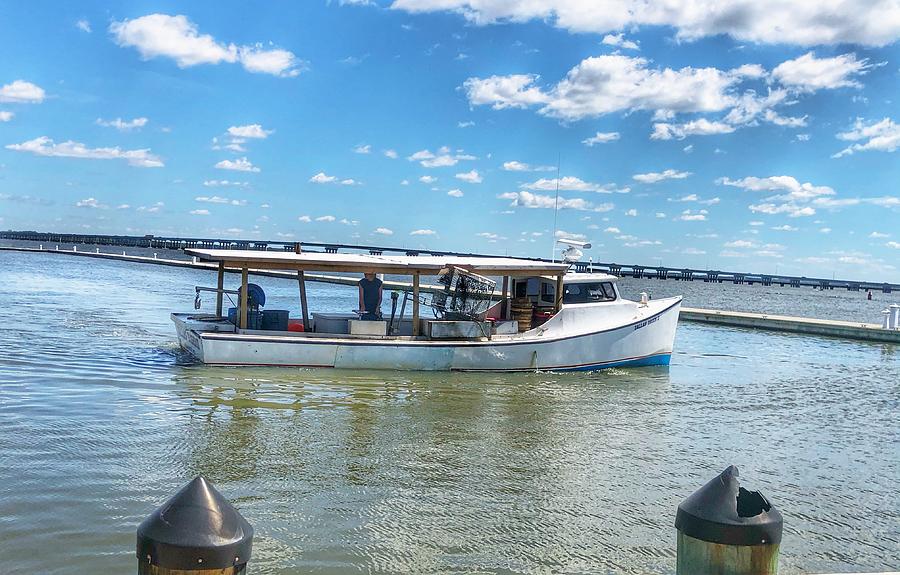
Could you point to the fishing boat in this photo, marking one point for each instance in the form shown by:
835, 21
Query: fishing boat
544, 317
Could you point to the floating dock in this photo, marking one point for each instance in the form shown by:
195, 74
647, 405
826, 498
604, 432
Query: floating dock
804, 325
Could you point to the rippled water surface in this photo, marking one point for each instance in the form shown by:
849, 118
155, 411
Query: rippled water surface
102, 418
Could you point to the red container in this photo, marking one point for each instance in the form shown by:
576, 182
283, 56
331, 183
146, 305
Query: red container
295, 325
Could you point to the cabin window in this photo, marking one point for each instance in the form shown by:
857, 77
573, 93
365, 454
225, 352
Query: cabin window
548, 293
589, 292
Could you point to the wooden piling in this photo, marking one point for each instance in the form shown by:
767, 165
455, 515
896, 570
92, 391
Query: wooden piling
244, 296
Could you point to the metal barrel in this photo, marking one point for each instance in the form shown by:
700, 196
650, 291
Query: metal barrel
723, 529
196, 532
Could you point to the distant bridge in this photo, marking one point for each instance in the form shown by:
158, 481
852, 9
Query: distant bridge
621, 270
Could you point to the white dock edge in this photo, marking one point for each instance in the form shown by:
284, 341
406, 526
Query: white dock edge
826, 327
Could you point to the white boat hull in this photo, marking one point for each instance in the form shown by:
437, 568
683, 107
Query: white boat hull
579, 337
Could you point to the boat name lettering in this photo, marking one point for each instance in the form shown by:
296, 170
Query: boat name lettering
645, 323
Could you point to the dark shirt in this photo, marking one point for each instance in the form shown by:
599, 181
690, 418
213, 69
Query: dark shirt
371, 291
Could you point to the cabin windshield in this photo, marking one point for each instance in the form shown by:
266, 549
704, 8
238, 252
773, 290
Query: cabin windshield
590, 292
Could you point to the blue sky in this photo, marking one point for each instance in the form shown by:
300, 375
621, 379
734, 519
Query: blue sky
755, 136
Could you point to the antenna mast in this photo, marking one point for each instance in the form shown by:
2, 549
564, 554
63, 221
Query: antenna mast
555, 210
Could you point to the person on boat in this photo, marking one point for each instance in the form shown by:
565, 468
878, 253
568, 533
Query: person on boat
370, 292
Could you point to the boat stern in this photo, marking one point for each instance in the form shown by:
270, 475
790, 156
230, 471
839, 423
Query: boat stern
189, 326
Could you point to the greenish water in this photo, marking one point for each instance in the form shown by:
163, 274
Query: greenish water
102, 418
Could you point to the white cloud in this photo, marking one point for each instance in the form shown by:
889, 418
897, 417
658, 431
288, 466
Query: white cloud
808, 73
784, 228
83, 25
740, 244
619, 41
693, 251
199, 212
322, 178
326, 219
123, 125
423, 233
427, 179
612, 230
564, 235
155, 208
443, 158
44, 146
255, 131
572, 183
472, 177
6, 116
757, 223
176, 37
220, 200
239, 165
692, 216
879, 235
515, 166
895, 245
218, 183
793, 199
468, 124
392, 154
654, 177
90, 203
455, 193
600, 138
865, 22
304, 219
632, 212
22, 92
384, 231
363, 149
825, 230
660, 215
606, 84
883, 136
525, 199
700, 127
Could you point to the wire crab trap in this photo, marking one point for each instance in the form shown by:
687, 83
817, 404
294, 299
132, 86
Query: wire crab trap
466, 295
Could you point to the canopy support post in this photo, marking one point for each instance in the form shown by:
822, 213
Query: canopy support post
220, 284
504, 306
559, 293
243, 304
304, 310
415, 316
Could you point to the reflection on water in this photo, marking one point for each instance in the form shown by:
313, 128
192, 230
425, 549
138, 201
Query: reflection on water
102, 418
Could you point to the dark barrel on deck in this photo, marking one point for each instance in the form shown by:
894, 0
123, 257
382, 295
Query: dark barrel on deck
724, 529
196, 532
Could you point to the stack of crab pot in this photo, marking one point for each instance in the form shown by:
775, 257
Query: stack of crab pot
522, 310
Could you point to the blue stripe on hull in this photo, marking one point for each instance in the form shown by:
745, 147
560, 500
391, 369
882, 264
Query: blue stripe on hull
659, 359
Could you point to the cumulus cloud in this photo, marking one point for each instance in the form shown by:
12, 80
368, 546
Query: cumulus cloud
699, 127
90, 203
423, 233
22, 92
83, 25
239, 165
384, 231
793, 201
220, 200
574, 184
123, 125
199, 212
176, 37
693, 216
525, 199
864, 22
44, 146
882, 136
654, 177
606, 84
809, 74
471, 177
326, 219
619, 41
363, 149
392, 154
427, 179
600, 138
218, 183
455, 193
515, 166
444, 157
255, 131
6, 116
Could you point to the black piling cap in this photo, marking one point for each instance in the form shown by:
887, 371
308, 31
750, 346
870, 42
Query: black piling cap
196, 529
724, 512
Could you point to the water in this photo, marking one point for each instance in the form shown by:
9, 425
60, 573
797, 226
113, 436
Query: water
102, 418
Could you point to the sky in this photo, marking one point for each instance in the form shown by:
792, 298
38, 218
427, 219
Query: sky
756, 136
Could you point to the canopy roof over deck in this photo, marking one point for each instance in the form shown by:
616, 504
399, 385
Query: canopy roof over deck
392, 264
